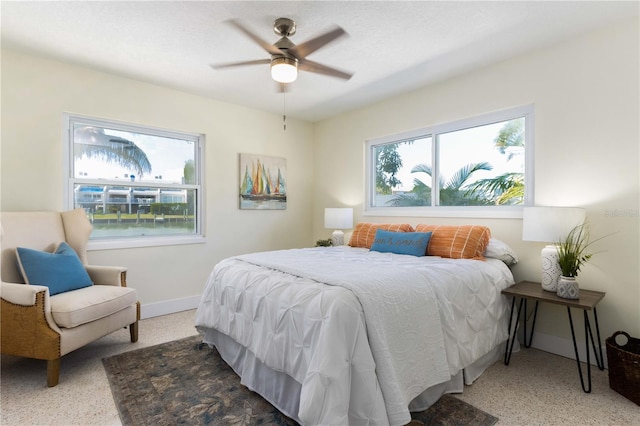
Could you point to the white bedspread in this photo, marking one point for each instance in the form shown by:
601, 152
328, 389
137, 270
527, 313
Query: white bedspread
385, 329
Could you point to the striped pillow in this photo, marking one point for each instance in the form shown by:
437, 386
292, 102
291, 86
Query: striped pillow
457, 242
364, 233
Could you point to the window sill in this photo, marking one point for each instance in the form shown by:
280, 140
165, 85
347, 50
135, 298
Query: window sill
111, 244
486, 212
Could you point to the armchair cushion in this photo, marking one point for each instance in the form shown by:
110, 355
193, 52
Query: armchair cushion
60, 271
74, 308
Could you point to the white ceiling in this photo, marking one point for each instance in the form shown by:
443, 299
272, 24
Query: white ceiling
392, 46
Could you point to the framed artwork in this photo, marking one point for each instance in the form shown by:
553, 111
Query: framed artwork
263, 182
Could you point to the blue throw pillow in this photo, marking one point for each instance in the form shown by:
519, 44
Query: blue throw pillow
60, 271
413, 243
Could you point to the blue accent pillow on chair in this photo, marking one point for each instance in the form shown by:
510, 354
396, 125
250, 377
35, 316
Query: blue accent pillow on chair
60, 271
412, 243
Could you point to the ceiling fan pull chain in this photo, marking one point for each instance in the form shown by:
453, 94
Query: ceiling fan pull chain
284, 110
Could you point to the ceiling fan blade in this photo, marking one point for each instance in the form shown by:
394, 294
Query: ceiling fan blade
300, 51
265, 45
241, 64
311, 66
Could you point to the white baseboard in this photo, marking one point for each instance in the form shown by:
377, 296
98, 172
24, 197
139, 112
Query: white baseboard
564, 347
166, 307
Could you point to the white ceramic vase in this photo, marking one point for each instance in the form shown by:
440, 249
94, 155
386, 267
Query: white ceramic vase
568, 288
550, 268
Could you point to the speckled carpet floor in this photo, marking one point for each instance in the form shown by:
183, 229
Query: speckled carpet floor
183, 382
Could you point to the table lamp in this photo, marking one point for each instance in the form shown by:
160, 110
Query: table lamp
338, 219
550, 225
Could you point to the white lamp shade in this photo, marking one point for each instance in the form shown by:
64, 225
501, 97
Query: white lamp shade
338, 218
550, 224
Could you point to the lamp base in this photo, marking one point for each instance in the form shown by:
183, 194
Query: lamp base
337, 238
550, 268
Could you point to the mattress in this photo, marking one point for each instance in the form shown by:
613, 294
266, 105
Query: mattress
356, 336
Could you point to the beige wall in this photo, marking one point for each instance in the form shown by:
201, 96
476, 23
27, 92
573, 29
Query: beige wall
586, 97
35, 94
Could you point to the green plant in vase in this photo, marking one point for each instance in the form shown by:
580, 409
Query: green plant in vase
324, 243
572, 255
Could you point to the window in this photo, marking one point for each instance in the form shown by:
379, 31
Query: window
140, 186
478, 166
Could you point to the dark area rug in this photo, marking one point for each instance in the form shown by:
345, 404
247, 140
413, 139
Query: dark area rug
184, 382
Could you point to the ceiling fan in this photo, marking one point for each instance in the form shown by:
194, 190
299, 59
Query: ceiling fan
286, 57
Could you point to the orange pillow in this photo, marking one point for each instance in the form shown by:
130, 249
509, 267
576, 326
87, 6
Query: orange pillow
364, 233
457, 242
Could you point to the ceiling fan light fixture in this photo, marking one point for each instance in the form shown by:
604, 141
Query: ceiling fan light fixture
284, 70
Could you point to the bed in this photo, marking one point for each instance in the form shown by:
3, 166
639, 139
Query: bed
349, 335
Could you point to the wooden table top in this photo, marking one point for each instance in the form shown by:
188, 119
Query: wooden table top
532, 290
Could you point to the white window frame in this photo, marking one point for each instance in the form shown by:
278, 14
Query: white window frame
526, 112
137, 241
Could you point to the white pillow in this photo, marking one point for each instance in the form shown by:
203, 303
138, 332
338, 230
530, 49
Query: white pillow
497, 249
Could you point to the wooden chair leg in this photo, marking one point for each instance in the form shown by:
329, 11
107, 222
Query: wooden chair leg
53, 372
133, 331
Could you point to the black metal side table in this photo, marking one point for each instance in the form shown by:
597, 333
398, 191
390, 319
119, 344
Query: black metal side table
588, 300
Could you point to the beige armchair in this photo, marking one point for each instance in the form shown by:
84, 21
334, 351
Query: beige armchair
37, 325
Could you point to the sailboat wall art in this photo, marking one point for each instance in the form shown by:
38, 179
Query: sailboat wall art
263, 182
